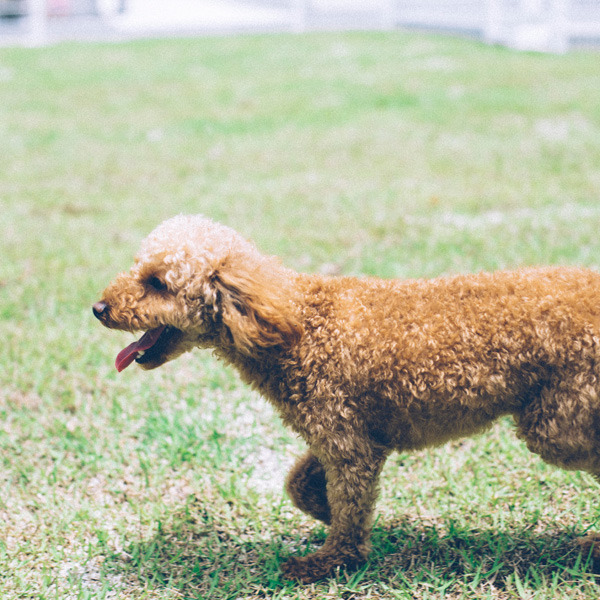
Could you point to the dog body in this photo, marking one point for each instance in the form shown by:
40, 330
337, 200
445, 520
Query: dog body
362, 367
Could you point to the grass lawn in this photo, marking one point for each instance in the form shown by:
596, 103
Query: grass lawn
398, 155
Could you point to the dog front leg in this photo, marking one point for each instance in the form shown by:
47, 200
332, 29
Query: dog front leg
352, 487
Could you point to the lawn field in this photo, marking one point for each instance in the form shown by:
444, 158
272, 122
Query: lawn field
393, 154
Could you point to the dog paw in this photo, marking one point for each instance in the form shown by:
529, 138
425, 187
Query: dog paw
589, 546
311, 568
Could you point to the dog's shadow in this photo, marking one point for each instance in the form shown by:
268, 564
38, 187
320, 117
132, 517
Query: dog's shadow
449, 551
197, 553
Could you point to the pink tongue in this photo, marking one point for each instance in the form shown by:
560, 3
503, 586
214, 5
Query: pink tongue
129, 354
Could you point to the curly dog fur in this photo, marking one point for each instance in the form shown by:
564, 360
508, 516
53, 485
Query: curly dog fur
362, 367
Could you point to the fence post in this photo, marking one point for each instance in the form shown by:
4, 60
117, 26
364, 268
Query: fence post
494, 23
299, 9
388, 14
558, 23
37, 22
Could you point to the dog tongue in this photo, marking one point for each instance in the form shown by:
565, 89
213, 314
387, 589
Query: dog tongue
129, 354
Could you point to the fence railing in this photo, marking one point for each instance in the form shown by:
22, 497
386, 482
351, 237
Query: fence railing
544, 25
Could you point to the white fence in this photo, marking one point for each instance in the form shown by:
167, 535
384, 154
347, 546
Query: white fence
544, 25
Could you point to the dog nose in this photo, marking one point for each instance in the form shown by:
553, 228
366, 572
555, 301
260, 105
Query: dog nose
100, 309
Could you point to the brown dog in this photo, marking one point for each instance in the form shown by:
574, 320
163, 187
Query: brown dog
362, 367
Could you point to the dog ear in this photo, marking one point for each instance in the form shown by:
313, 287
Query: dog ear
255, 309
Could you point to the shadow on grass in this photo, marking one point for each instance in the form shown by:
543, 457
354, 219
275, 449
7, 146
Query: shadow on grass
447, 551
202, 556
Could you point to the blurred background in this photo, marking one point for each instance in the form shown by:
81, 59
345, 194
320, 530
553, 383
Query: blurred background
544, 25
346, 137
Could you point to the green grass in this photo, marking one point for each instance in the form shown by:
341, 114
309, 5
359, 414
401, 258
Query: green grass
386, 154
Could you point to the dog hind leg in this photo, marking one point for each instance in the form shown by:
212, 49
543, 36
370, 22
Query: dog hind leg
307, 487
562, 423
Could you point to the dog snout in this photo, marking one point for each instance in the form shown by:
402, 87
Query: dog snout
100, 310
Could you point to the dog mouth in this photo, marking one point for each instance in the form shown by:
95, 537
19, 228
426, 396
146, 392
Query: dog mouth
150, 350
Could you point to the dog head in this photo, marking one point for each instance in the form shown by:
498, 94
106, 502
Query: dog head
196, 283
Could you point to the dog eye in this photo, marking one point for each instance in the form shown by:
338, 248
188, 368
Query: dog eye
156, 284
